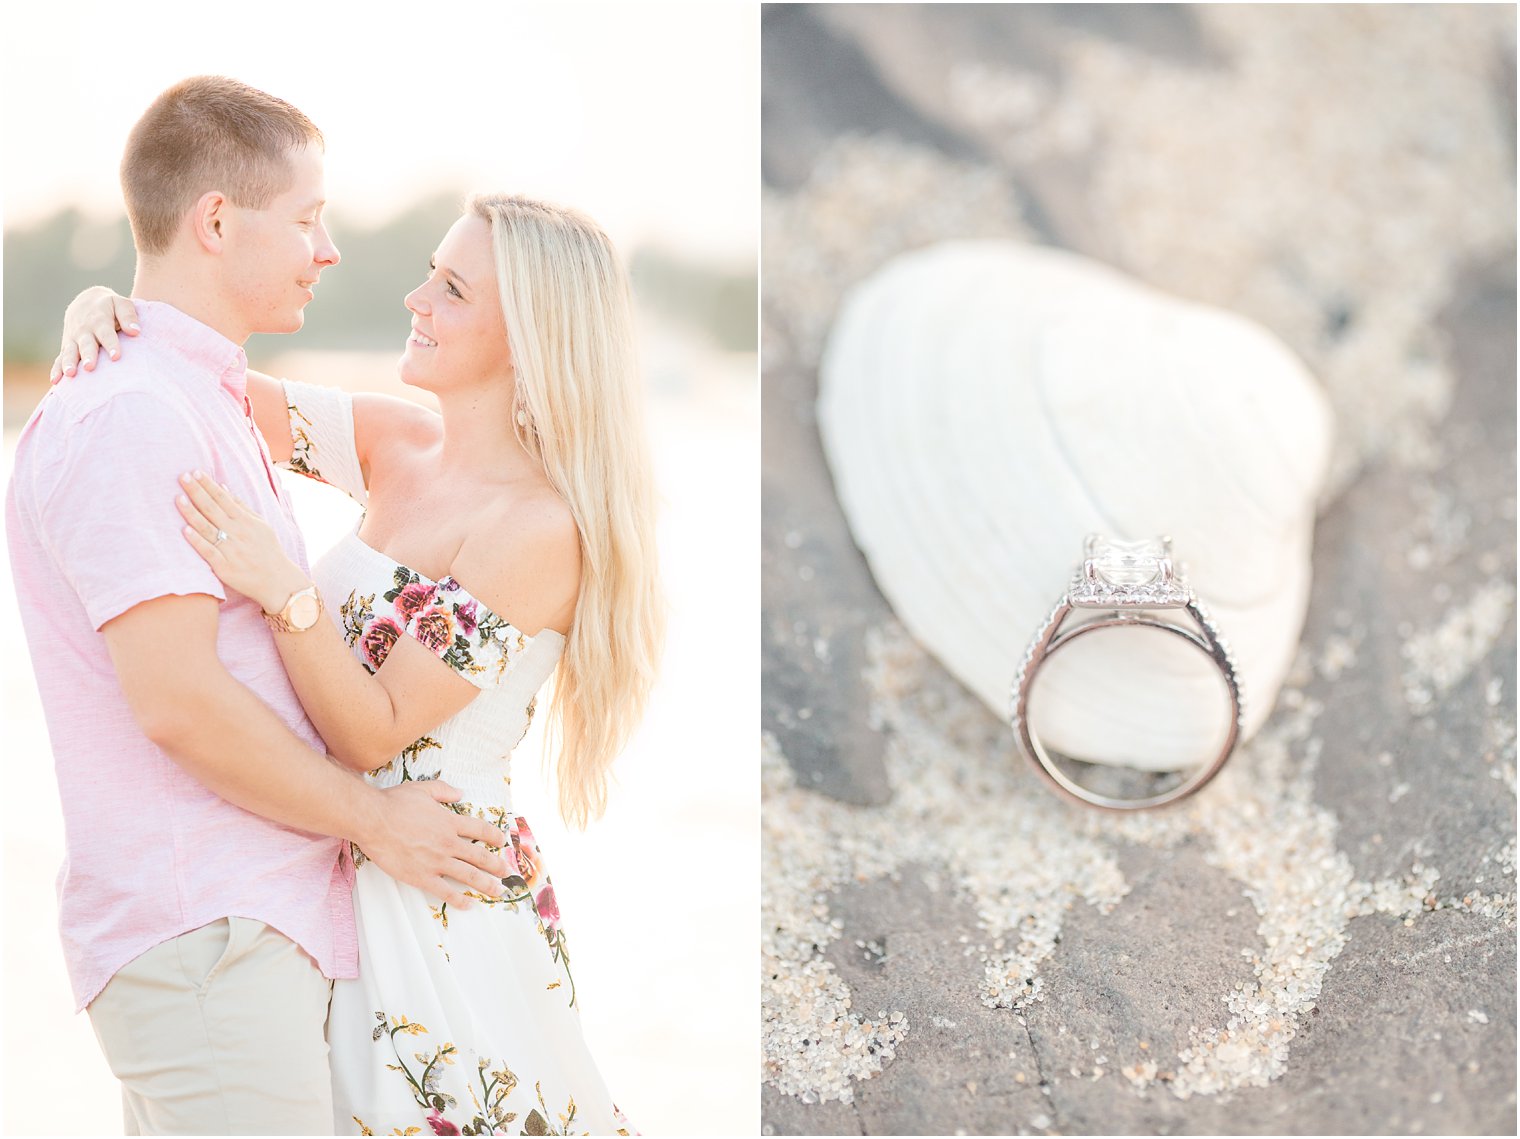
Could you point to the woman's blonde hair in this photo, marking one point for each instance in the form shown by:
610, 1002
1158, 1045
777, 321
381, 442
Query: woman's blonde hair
569, 315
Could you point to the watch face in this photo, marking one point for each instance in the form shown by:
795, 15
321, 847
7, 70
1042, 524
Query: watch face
304, 611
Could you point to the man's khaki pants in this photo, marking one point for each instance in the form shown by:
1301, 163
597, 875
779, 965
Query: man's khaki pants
219, 1032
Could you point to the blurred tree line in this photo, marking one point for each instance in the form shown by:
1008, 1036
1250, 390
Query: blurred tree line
359, 306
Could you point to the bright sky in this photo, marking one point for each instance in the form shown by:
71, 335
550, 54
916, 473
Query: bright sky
646, 115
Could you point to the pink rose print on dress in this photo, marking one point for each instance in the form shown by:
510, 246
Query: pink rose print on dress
435, 630
509, 852
527, 853
379, 636
466, 615
440, 1125
413, 599
547, 907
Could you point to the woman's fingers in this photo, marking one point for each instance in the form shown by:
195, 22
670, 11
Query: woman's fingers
105, 317
68, 357
198, 521
202, 546
88, 347
206, 519
120, 314
222, 496
126, 315
210, 508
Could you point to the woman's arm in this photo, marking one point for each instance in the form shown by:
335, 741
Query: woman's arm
266, 395
381, 422
185, 701
367, 720
364, 719
95, 317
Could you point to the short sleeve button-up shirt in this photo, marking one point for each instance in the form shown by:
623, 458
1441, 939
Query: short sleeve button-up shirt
93, 531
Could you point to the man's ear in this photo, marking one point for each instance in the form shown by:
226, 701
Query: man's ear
208, 218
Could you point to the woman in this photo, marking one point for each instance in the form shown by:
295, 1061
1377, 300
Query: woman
505, 539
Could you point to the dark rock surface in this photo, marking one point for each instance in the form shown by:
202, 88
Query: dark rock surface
1414, 1030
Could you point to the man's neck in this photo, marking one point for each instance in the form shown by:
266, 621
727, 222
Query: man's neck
201, 299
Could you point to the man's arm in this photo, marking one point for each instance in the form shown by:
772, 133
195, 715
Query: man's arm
186, 702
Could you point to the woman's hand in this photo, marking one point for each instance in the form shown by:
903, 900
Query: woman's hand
237, 544
90, 323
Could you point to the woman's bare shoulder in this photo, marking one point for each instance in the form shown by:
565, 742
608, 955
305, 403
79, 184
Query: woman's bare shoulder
523, 559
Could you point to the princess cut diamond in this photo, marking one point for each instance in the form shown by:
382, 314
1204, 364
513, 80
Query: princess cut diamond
1127, 564
1129, 575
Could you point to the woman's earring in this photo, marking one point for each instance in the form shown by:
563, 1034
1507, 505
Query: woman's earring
522, 418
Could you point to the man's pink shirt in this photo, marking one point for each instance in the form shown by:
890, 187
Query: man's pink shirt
93, 531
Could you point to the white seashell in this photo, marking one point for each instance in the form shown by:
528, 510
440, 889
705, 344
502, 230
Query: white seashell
985, 405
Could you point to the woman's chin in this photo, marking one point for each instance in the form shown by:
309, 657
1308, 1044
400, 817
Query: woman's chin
410, 375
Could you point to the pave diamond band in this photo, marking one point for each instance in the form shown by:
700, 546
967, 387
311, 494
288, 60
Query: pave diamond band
1124, 585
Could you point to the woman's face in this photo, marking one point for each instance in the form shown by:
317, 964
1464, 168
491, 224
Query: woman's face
459, 337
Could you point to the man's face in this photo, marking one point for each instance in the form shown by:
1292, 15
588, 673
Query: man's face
275, 255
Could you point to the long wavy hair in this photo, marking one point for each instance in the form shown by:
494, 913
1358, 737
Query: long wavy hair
569, 315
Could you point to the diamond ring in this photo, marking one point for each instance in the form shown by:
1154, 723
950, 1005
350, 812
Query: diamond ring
221, 536
1124, 585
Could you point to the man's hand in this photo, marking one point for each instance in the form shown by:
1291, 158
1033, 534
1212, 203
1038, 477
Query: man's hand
416, 840
186, 702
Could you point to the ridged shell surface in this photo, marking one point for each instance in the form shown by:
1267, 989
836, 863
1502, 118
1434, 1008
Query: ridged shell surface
985, 405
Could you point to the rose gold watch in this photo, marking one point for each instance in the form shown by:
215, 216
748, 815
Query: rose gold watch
301, 612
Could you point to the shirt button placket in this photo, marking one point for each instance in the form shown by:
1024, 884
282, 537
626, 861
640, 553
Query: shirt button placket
258, 441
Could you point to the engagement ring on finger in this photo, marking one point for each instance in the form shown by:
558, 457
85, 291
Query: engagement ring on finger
221, 536
1125, 585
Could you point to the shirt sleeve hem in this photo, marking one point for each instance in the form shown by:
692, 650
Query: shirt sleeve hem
105, 610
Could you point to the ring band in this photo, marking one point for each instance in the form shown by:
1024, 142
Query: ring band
221, 536
1129, 584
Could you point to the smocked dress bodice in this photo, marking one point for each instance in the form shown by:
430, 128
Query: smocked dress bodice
461, 1021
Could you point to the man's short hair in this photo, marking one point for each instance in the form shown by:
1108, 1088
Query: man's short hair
207, 133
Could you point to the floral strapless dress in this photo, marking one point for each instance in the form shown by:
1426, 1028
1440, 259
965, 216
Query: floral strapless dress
461, 1022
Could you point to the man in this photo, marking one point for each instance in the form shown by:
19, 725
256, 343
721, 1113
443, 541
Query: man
205, 897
